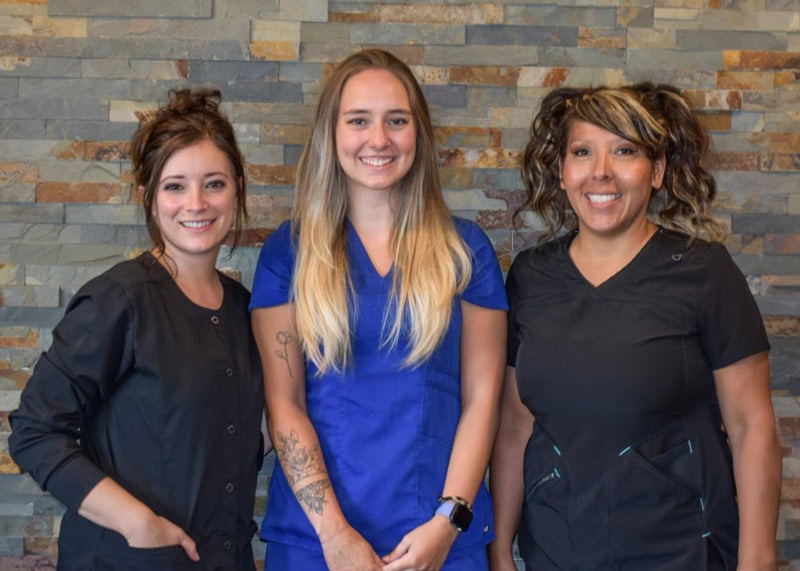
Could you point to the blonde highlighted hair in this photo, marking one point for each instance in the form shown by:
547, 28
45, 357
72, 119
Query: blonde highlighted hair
431, 262
657, 119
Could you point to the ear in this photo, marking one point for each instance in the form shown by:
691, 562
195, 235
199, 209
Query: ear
141, 192
659, 166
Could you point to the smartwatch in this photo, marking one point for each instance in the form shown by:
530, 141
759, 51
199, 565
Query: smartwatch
456, 510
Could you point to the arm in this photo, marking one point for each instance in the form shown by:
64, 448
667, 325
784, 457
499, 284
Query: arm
744, 397
483, 344
296, 442
506, 474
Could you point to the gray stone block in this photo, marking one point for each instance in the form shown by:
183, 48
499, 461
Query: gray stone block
129, 214
300, 72
130, 237
42, 67
382, 34
581, 57
9, 87
30, 296
164, 70
246, 9
32, 317
497, 34
133, 89
262, 91
773, 101
291, 154
174, 29
21, 129
224, 50
566, 16
13, 191
497, 179
12, 546
445, 95
482, 96
220, 72
263, 154
670, 59
132, 8
758, 183
480, 55
778, 305
52, 107
67, 277
277, 113
681, 78
89, 130
328, 32
711, 40
78, 171
98, 48
745, 223
32, 213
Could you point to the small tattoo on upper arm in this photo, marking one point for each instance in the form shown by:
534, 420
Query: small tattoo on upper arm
284, 338
298, 462
313, 495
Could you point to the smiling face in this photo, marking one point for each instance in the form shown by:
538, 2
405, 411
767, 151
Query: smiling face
194, 202
375, 132
608, 180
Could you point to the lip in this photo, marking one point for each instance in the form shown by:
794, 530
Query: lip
197, 225
377, 162
600, 199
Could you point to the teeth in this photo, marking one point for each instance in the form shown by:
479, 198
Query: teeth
376, 161
600, 198
197, 224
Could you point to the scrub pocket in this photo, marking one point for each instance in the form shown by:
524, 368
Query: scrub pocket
655, 514
544, 510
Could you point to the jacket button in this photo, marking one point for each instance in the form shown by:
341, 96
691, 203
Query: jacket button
215, 320
226, 544
229, 372
231, 429
229, 487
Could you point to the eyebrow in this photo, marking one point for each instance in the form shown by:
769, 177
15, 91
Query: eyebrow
367, 111
206, 175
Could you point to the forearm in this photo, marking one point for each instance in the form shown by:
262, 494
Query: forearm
111, 506
757, 469
506, 485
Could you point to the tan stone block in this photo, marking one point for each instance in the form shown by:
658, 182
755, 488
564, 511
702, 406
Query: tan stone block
275, 51
718, 99
123, 111
782, 143
410, 55
96, 192
16, 26
751, 80
69, 150
601, 38
9, 274
21, 172
793, 43
484, 75
686, 4
431, 74
12, 63
59, 27
45, 546
685, 14
441, 13
752, 244
512, 117
550, 77
786, 79
794, 204
782, 325
18, 337
284, 134
732, 59
274, 31
355, 13
7, 465
479, 158
268, 211
455, 177
109, 151
467, 136
647, 38
715, 121
732, 161
779, 162
279, 175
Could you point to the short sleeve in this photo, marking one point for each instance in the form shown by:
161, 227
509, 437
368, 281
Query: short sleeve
92, 347
731, 327
485, 287
272, 283
512, 339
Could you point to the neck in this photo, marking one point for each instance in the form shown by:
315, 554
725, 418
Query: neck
371, 211
620, 246
195, 276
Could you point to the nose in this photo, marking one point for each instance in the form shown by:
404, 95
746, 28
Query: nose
195, 199
602, 165
378, 138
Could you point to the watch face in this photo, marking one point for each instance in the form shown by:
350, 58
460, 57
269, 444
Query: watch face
461, 517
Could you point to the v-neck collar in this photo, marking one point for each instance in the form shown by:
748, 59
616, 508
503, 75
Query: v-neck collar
630, 268
359, 248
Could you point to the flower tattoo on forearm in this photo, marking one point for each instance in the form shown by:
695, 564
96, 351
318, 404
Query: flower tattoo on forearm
284, 338
298, 462
313, 495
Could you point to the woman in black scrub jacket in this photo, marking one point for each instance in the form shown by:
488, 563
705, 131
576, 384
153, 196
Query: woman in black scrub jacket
144, 415
636, 345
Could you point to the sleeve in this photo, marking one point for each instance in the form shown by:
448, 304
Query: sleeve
731, 327
272, 283
485, 287
512, 339
92, 347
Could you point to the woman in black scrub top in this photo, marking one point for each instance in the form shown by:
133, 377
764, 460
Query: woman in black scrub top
636, 345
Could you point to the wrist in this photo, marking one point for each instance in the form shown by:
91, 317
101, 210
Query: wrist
330, 527
136, 521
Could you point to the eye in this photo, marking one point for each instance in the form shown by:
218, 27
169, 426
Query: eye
216, 184
357, 122
579, 152
172, 186
627, 150
398, 122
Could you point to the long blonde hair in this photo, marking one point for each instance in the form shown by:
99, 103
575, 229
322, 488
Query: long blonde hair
655, 117
431, 262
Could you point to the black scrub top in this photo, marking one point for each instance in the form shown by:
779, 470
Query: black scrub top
628, 466
166, 398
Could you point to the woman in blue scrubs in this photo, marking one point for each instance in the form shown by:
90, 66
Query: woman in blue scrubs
633, 339
380, 320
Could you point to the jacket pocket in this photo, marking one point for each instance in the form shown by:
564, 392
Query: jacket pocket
114, 554
655, 514
544, 529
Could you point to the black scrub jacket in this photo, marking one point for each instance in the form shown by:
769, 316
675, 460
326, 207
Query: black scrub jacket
163, 396
628, 467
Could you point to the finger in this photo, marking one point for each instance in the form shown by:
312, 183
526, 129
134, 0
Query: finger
399, 550
190, 548
400, 564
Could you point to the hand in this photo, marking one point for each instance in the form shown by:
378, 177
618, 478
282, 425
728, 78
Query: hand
160, 532
347, 550
424, 548
500, 559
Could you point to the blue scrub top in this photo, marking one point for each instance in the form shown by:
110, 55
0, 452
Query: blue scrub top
385, 431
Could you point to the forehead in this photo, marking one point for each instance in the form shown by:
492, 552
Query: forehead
585, 131
373, 89
198, 156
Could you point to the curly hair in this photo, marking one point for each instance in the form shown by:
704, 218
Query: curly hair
189, 117
658, 120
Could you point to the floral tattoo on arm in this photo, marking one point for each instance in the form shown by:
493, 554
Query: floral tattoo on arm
313, 495
298, 462
284, 338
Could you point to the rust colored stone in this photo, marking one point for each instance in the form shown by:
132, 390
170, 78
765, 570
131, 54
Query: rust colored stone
734, 100
182, 66
7, 465
281, 175
594, 38
746, 80
107, 150
493, 219
42, 545
73, 150
251, 237
363, 16
731, 161
785, 78
17, 377
752, 244
5, 426
779, 162
782, 325
715, 121
470, 136
19, 172
781, 244
30, 339
441, 13
555, 77
789, 426
98, 192
275, 51
284, 134
484, 75
28, 563
760, 60
781, 143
